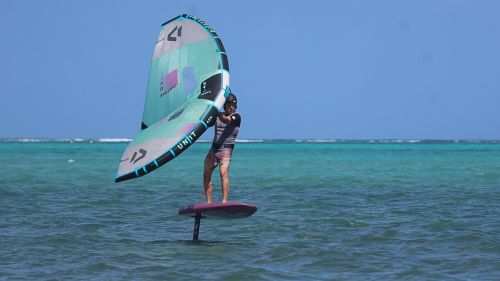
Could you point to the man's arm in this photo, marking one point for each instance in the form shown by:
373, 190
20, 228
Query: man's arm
226, 119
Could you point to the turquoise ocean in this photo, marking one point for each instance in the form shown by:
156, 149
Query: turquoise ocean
327, 210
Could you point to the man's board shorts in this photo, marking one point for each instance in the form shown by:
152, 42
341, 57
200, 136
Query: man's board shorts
219, 155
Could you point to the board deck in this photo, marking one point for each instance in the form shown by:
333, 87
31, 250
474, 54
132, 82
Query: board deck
231, 210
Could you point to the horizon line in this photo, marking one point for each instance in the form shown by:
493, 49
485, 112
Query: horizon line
261, 140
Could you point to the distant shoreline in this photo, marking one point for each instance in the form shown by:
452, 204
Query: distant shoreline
358, 141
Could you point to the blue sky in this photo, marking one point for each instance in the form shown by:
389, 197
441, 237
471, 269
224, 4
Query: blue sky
301, 69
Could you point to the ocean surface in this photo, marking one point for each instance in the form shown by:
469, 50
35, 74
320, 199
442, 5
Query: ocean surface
327, 210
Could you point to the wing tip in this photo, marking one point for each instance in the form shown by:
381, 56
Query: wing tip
125, 177
171, 20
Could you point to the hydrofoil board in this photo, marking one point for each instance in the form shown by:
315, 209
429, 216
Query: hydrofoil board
233, 210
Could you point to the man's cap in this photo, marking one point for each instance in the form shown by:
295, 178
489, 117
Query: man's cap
231, 98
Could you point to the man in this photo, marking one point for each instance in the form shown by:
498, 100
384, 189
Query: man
226, 130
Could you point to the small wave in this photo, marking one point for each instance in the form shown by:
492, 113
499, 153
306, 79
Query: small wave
321, 140
30, 140
250, 140
113, 140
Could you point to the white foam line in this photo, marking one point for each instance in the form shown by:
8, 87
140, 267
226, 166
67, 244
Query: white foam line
114, 140
251, 141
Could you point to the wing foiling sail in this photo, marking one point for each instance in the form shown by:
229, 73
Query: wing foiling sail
188, 85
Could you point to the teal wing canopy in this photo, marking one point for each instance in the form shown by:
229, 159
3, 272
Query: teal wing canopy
188, 85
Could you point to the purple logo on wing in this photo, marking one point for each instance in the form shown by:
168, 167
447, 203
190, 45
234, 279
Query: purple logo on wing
187, 128
168, 82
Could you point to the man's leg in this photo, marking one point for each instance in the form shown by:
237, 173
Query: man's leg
224, 178
207, 175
